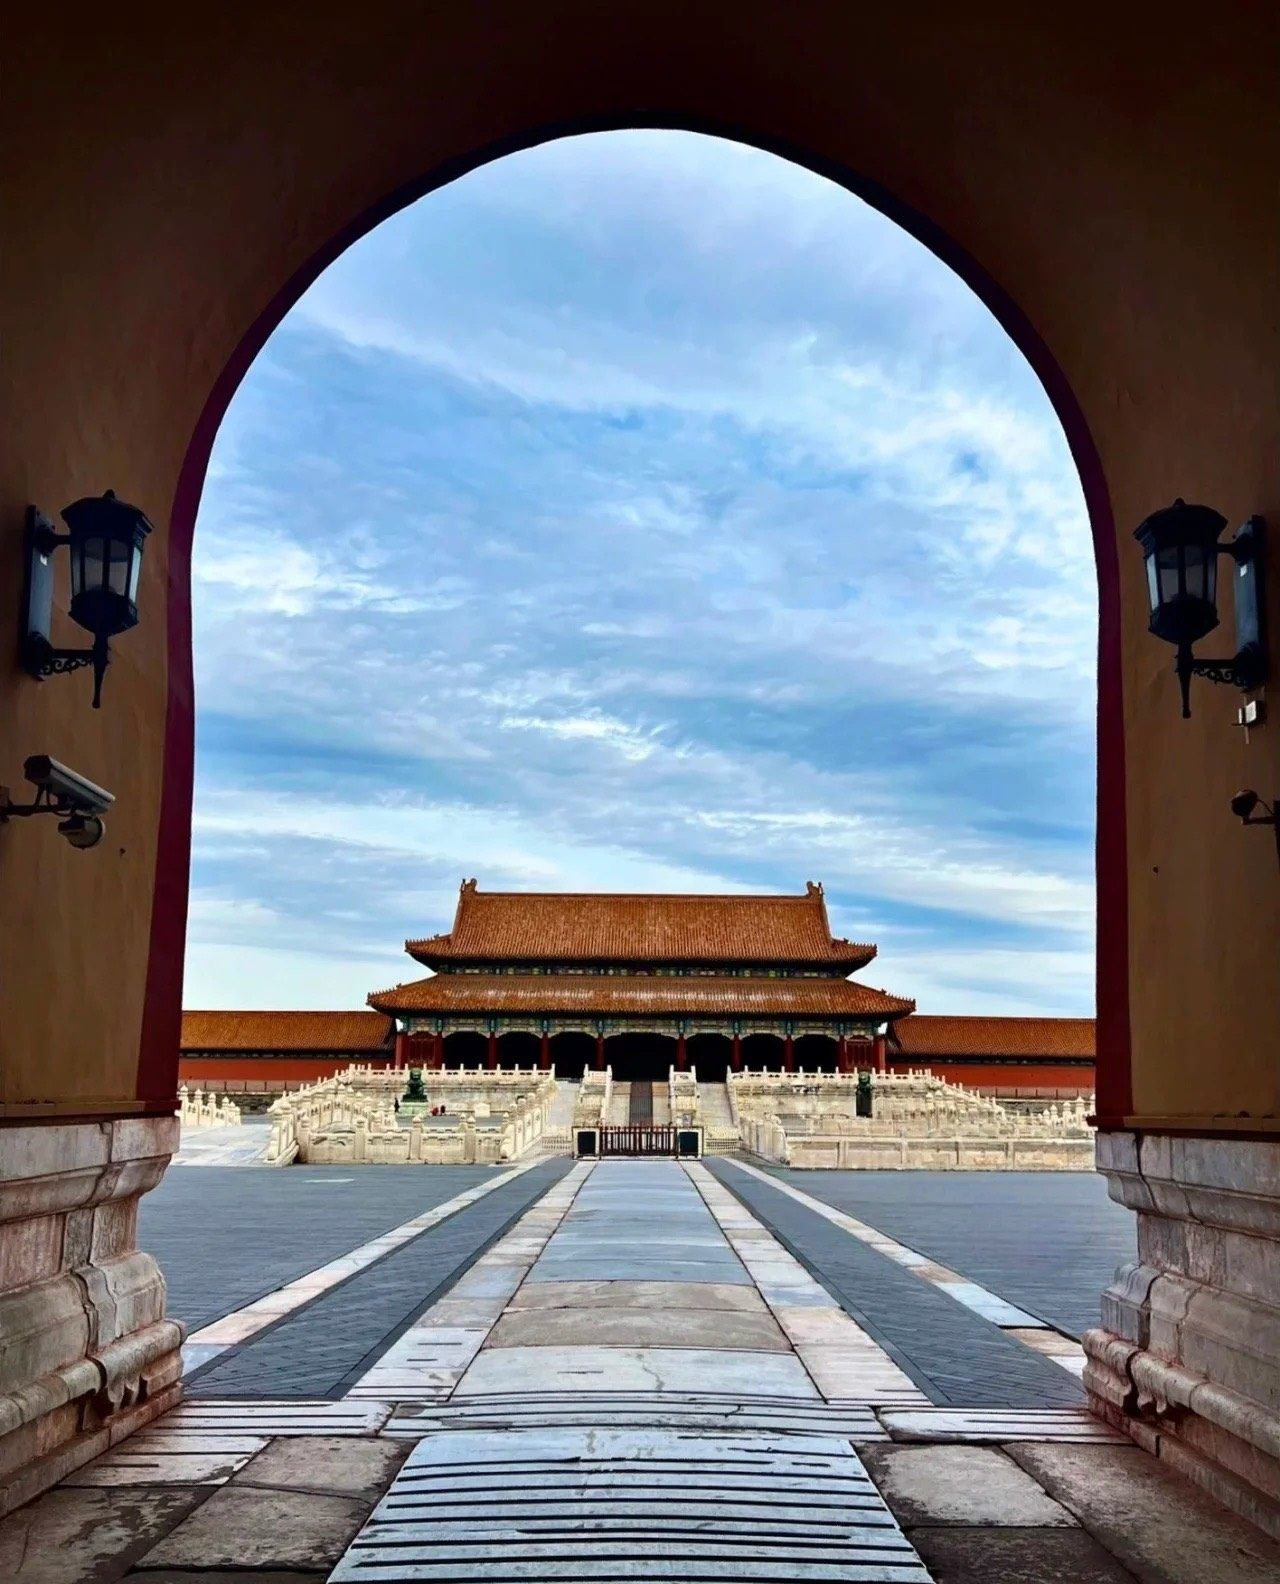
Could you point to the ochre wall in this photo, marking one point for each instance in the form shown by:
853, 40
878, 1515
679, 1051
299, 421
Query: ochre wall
1106, 177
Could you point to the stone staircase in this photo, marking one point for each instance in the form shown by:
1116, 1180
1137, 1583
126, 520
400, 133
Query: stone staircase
720, 1132
619, 1113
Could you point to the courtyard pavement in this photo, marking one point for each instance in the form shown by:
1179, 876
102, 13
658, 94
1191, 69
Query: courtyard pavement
616, 1370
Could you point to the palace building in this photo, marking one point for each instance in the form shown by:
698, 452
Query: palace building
641, 984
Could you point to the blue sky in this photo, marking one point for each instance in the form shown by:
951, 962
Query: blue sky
643, 512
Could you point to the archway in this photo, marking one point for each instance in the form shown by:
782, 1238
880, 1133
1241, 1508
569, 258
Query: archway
1087, 217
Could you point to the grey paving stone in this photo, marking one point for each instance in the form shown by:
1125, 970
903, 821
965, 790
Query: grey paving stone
1047, 1241
954, 1355
1016, 1556
961, 1485
332, 1465
245, 1528
322, 1349
88, 1536
1163, 1528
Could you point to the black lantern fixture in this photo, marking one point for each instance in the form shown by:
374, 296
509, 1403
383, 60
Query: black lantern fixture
1181, 550
105, 537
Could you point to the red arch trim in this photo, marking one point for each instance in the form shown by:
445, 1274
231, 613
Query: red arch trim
158, 1053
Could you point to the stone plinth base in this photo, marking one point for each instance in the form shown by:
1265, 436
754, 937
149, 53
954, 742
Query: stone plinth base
1188, 1356
86, 1353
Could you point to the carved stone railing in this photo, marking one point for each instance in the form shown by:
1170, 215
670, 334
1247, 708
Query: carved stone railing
917, 1121
199, 1110
351, 1118
594, 1095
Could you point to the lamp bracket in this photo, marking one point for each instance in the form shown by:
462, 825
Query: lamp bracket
1245, 669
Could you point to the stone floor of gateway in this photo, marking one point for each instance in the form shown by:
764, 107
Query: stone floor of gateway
629, 1370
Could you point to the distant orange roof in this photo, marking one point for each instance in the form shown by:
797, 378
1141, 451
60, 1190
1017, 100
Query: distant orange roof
546, 926
996, 1036
671, 995
278, 1031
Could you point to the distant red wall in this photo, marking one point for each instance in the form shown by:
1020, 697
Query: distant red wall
269, 1070
1012, 1077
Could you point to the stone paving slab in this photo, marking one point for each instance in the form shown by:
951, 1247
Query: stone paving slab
671, 1327
71, 1536
1018, 1556
961, 1485
658, 1295
248, 1528
1151, 1519
551, 1369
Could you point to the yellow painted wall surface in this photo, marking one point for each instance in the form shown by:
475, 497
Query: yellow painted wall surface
1113, 172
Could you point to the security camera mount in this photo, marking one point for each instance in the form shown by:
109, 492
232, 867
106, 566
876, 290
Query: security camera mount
1246, 805
80, 818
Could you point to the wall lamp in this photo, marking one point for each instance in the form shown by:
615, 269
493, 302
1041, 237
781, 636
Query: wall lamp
1181, 550
62, 791
105, 536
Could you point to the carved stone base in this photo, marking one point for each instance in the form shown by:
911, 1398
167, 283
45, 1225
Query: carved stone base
1188, 1356
86, 1353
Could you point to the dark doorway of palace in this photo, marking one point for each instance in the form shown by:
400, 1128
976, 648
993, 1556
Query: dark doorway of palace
640, 1058
571, 1053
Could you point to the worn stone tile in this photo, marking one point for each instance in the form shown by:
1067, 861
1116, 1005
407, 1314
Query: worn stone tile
671, 1327
88, 1536
243, 1527
596, 1369
1016, 1556
961, 1485
1158, 1524
336, 1465
634, 1295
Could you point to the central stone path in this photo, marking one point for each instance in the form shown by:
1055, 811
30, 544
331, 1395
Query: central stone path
638, 1381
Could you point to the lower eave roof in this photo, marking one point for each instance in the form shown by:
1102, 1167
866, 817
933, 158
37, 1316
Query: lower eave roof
280, 1031
925, 1035
500, 995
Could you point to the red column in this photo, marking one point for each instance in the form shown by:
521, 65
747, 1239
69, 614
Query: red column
735, 1053
842, 1055
788, 1054
682, 1060
437, 1050
491, 1059
402, 1050
544, 1052
881, 1055
599, 1052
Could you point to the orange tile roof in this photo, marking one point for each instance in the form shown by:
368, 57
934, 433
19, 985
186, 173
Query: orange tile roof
542, 926
604, 995
996, 1036
281, 1031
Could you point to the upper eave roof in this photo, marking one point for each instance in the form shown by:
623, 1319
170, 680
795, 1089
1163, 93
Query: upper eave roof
588, 927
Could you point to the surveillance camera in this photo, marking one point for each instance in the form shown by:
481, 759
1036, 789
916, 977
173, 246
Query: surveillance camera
1244, 803
82, 830
70, 792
